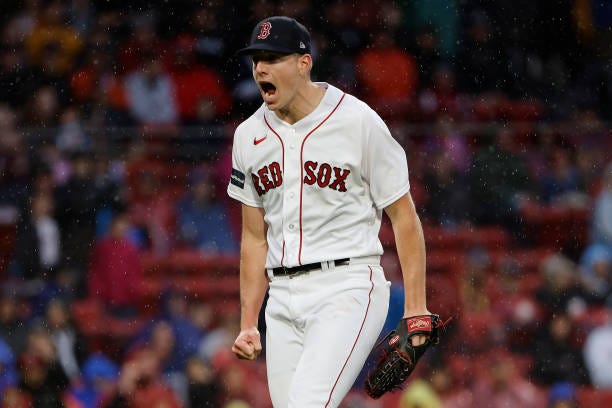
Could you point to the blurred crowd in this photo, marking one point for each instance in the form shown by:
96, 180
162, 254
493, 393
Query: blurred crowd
115, 148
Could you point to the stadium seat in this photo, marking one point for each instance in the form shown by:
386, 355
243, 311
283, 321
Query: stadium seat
442, 294
596, 398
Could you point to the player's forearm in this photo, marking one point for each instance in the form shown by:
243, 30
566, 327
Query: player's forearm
253, 282
411, 252
410, 246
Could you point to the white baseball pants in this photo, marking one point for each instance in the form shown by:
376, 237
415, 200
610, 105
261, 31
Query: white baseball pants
321, 327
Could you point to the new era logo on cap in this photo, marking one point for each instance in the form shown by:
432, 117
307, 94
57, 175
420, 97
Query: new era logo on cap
279, 34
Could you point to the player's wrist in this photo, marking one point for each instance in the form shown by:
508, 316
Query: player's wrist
249, 328
415, 312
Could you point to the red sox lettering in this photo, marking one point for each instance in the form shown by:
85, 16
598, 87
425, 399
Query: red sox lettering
267, 178
324, 175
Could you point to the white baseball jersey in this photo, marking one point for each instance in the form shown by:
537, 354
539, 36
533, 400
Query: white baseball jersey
323, 181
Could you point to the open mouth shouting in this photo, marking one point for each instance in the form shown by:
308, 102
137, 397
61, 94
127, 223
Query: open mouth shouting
268, 90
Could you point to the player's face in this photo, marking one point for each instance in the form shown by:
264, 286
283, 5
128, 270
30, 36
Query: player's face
278, 77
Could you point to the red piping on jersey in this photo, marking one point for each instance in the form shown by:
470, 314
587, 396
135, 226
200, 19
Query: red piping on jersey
302, 169
283, 170
356, 339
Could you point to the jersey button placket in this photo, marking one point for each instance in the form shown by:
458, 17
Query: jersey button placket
291, 209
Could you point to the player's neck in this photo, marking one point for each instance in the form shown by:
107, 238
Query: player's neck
306, 100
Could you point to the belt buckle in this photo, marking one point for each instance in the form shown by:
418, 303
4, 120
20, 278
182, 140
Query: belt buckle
288, 273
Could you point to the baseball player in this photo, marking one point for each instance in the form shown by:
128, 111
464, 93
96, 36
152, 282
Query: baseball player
314, 168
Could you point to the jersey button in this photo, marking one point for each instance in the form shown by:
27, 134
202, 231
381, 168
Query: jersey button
291, 226
291, 195
292, 146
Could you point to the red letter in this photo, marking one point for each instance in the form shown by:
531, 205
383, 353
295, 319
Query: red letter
257, 186
341, 175
265, 31
324, 175
275, 172
263, 176
309, 168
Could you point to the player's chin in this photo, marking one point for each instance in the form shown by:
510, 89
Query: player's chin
272, 105
270, 100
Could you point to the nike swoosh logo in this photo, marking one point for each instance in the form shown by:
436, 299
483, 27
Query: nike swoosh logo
257, 141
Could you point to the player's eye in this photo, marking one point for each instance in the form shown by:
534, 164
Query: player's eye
266, 57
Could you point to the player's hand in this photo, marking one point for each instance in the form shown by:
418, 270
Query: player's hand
247, 345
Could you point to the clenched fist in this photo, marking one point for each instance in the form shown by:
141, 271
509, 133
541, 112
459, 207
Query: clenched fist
247, 345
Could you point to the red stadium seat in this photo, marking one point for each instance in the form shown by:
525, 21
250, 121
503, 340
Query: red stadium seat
442, 294
592, 397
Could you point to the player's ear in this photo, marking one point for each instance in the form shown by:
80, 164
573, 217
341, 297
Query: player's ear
305, 64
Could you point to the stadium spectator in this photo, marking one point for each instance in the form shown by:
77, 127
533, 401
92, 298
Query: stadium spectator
338, 43
443, 17
149, 203
77, 202
143, 40
563, 395
496, 160
598, 351
387, 75
195, 83
140, 384
514, 305
561, 183
115, 273
560, 291
426, 51
15, 161
70, 344
161, 339
596, 271
601, 229
451, 392
151, 94
52, 47
8, 370
211, 44
38, 245
420, 394
42, 377
12, 328
99, 376
447, 201
204, 387
52, 43
201, 217
16, 73
71, 136
557, 357
42, 109
440, 101
501, 385
174, 337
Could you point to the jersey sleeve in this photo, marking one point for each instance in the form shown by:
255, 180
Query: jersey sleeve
240, 185
385, 164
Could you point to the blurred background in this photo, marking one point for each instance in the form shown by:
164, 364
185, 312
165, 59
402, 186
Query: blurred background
118, 244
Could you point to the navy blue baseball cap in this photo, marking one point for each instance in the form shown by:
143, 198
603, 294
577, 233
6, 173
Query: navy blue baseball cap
278, 34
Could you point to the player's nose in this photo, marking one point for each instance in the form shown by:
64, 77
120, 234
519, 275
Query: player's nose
259, 67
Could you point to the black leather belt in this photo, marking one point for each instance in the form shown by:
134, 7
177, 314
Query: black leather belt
296, 270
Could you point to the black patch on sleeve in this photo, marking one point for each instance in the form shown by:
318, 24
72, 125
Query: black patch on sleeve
237, 178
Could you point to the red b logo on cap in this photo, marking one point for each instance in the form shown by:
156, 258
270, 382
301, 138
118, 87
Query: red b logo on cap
265, 30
